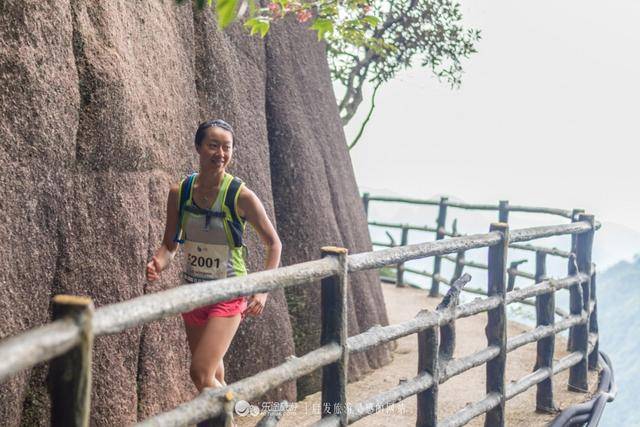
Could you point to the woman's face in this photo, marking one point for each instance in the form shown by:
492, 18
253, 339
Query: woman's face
215, 149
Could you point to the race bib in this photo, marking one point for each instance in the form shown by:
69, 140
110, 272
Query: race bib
205, 261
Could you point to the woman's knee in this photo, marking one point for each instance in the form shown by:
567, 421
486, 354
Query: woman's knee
202, 375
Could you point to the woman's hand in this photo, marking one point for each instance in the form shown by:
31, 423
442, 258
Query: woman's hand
153, 269
168, 249
255, 305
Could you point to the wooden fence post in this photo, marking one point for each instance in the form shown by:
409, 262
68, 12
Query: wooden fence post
437, 260
579, 296
593, 324
575, 213
459, 268
400, 267
545, 315
496, 329
503, 211
433, 348
428, 351
512, 272
365, 202
448, 330
333, 303
70, 374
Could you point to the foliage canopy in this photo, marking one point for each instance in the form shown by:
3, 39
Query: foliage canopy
368, 41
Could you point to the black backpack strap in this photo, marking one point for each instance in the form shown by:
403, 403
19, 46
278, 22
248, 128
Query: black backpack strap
236, 223
185, 192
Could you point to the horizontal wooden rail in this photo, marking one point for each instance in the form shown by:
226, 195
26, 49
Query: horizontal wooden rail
382, 258
471, 206
422, 250
533, 248
37, 345
404, 200
532, 233
533, 209
120, 316
427, 274
573, 358
423, 320
462, 364
524, 383
518, 295
381, 334
407, 226
544, 287
543, 331
43, 343
209, 402
522, 247
471, 411
482, 266
394, 395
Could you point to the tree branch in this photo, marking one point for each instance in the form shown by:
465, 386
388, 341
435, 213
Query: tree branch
366, 120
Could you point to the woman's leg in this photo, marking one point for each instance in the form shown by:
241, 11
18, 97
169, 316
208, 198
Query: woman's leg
194, 333
210, 348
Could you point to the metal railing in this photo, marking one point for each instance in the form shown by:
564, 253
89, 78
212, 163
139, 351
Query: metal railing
68, 338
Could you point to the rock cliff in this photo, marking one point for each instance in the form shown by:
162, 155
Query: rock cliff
99, 103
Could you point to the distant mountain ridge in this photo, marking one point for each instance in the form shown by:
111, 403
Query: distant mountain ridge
618, 295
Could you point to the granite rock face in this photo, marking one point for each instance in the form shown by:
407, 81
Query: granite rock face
308, 156
99, 102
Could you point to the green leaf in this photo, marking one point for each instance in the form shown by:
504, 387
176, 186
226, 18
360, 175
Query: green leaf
226, 10
200, 4
371, 20
257, 24
322, 26
264, 28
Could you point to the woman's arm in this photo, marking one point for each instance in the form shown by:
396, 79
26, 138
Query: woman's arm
167, 250
251, 208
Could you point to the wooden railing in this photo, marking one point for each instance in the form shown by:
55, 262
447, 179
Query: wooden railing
67, 340
503, 208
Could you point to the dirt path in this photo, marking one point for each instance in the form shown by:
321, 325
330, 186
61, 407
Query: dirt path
403, 304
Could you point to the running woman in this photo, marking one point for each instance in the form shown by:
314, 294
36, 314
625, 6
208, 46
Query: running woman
213, 248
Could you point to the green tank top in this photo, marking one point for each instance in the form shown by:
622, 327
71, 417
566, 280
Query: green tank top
210, 252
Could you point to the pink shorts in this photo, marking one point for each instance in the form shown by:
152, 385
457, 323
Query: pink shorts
200, 315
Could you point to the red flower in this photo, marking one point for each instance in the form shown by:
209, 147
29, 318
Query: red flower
303, 16
274, 8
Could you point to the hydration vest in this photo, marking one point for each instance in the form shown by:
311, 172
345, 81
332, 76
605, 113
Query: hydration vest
233, 223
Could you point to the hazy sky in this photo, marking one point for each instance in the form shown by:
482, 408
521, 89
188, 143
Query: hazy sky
545, 115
